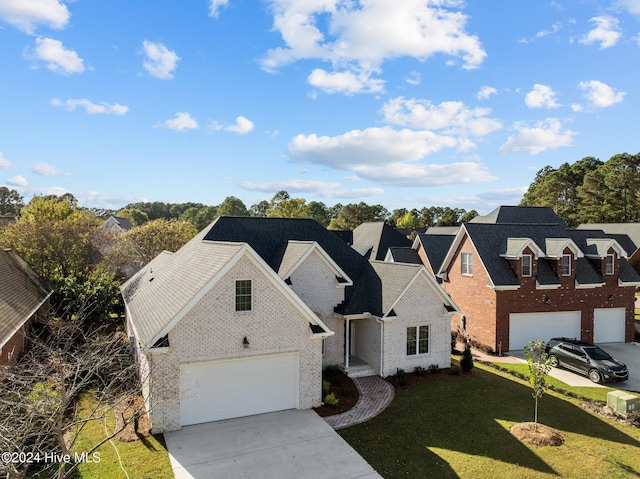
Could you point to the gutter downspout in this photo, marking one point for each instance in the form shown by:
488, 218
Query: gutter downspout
381, 321
347, 343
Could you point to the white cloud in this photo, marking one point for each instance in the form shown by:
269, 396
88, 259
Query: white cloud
606, 32
505, 196
542, 96
92, 108
600, 94
215, 6
631, 6
17, 180
486, 92
389, 156
26, 14
160, 62
414, 78
182, 121
56, 57
347, 82
4, 163
360, 36
96, 199
44, 169
324, 189
242, 126
453, 117
544, 135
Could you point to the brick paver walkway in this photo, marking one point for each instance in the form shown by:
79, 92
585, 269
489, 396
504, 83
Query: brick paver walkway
375, 395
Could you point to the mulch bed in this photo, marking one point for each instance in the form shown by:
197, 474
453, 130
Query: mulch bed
126, 409
343, 388
541, 435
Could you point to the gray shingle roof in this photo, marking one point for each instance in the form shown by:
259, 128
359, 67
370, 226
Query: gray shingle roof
378, 236
269, 237
539, 215
162, 288
632, 230
22, 292
436, 247
490, 241
404, 255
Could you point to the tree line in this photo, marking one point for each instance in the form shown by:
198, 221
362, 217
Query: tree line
590, 190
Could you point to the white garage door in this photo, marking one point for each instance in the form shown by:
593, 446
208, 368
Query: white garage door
525, 327
242, 387
608, 325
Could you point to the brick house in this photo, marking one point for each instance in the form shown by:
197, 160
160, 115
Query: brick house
241, 320
24, 298
520, 274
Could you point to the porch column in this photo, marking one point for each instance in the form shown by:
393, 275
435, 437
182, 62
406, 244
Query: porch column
346, 343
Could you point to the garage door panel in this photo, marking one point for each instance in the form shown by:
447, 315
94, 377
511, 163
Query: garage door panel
224, 389
525, 327
609, 325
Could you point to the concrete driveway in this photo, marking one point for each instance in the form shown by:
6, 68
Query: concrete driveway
286, 444
628, 353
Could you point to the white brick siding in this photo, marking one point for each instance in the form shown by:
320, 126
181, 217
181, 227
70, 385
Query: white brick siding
419, 306
316, 284
367, 341
212, 330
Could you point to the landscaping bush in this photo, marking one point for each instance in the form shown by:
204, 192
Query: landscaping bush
466, 363
419, 371
331, 400
434, 368
401, 377
326, 385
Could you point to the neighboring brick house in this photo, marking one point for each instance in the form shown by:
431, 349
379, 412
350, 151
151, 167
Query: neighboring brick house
24, 298
520, 274
242, 319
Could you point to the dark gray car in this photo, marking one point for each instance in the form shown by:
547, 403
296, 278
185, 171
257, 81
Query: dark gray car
586, 358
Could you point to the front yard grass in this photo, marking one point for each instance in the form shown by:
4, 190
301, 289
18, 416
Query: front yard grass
147, 458
458, 427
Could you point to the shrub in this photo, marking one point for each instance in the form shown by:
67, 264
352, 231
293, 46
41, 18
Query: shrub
455, 370
466, 363
325, 387
332, 368
331, 400
434, 368
401, 377
454, 341
419, 371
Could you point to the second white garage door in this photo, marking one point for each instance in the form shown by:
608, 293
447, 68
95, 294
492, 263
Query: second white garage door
525, 327
608, 325
219, 390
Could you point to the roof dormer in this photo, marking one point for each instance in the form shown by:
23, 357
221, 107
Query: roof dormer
556, 248
517, 246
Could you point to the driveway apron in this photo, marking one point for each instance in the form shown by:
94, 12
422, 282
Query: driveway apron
287, 444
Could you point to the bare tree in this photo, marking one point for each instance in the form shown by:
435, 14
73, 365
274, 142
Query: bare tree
39, 396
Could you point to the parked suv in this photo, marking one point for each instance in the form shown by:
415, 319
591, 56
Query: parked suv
585, 358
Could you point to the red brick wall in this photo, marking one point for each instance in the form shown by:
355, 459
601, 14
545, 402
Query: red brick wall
476, 301
487, 311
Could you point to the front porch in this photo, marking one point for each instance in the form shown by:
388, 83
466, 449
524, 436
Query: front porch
357, 368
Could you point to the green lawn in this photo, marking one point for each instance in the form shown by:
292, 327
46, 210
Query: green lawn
595, 393
458, 427
141, 459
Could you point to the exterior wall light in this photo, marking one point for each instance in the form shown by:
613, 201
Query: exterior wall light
245, 343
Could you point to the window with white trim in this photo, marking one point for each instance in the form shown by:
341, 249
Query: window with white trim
610, 264
467, 263
244, 296
526, 265
566, 265
417, 340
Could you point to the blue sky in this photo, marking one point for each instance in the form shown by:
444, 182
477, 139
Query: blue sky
404, 104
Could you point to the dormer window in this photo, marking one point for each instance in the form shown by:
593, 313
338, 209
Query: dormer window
566, 265
526, 265
610, 264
